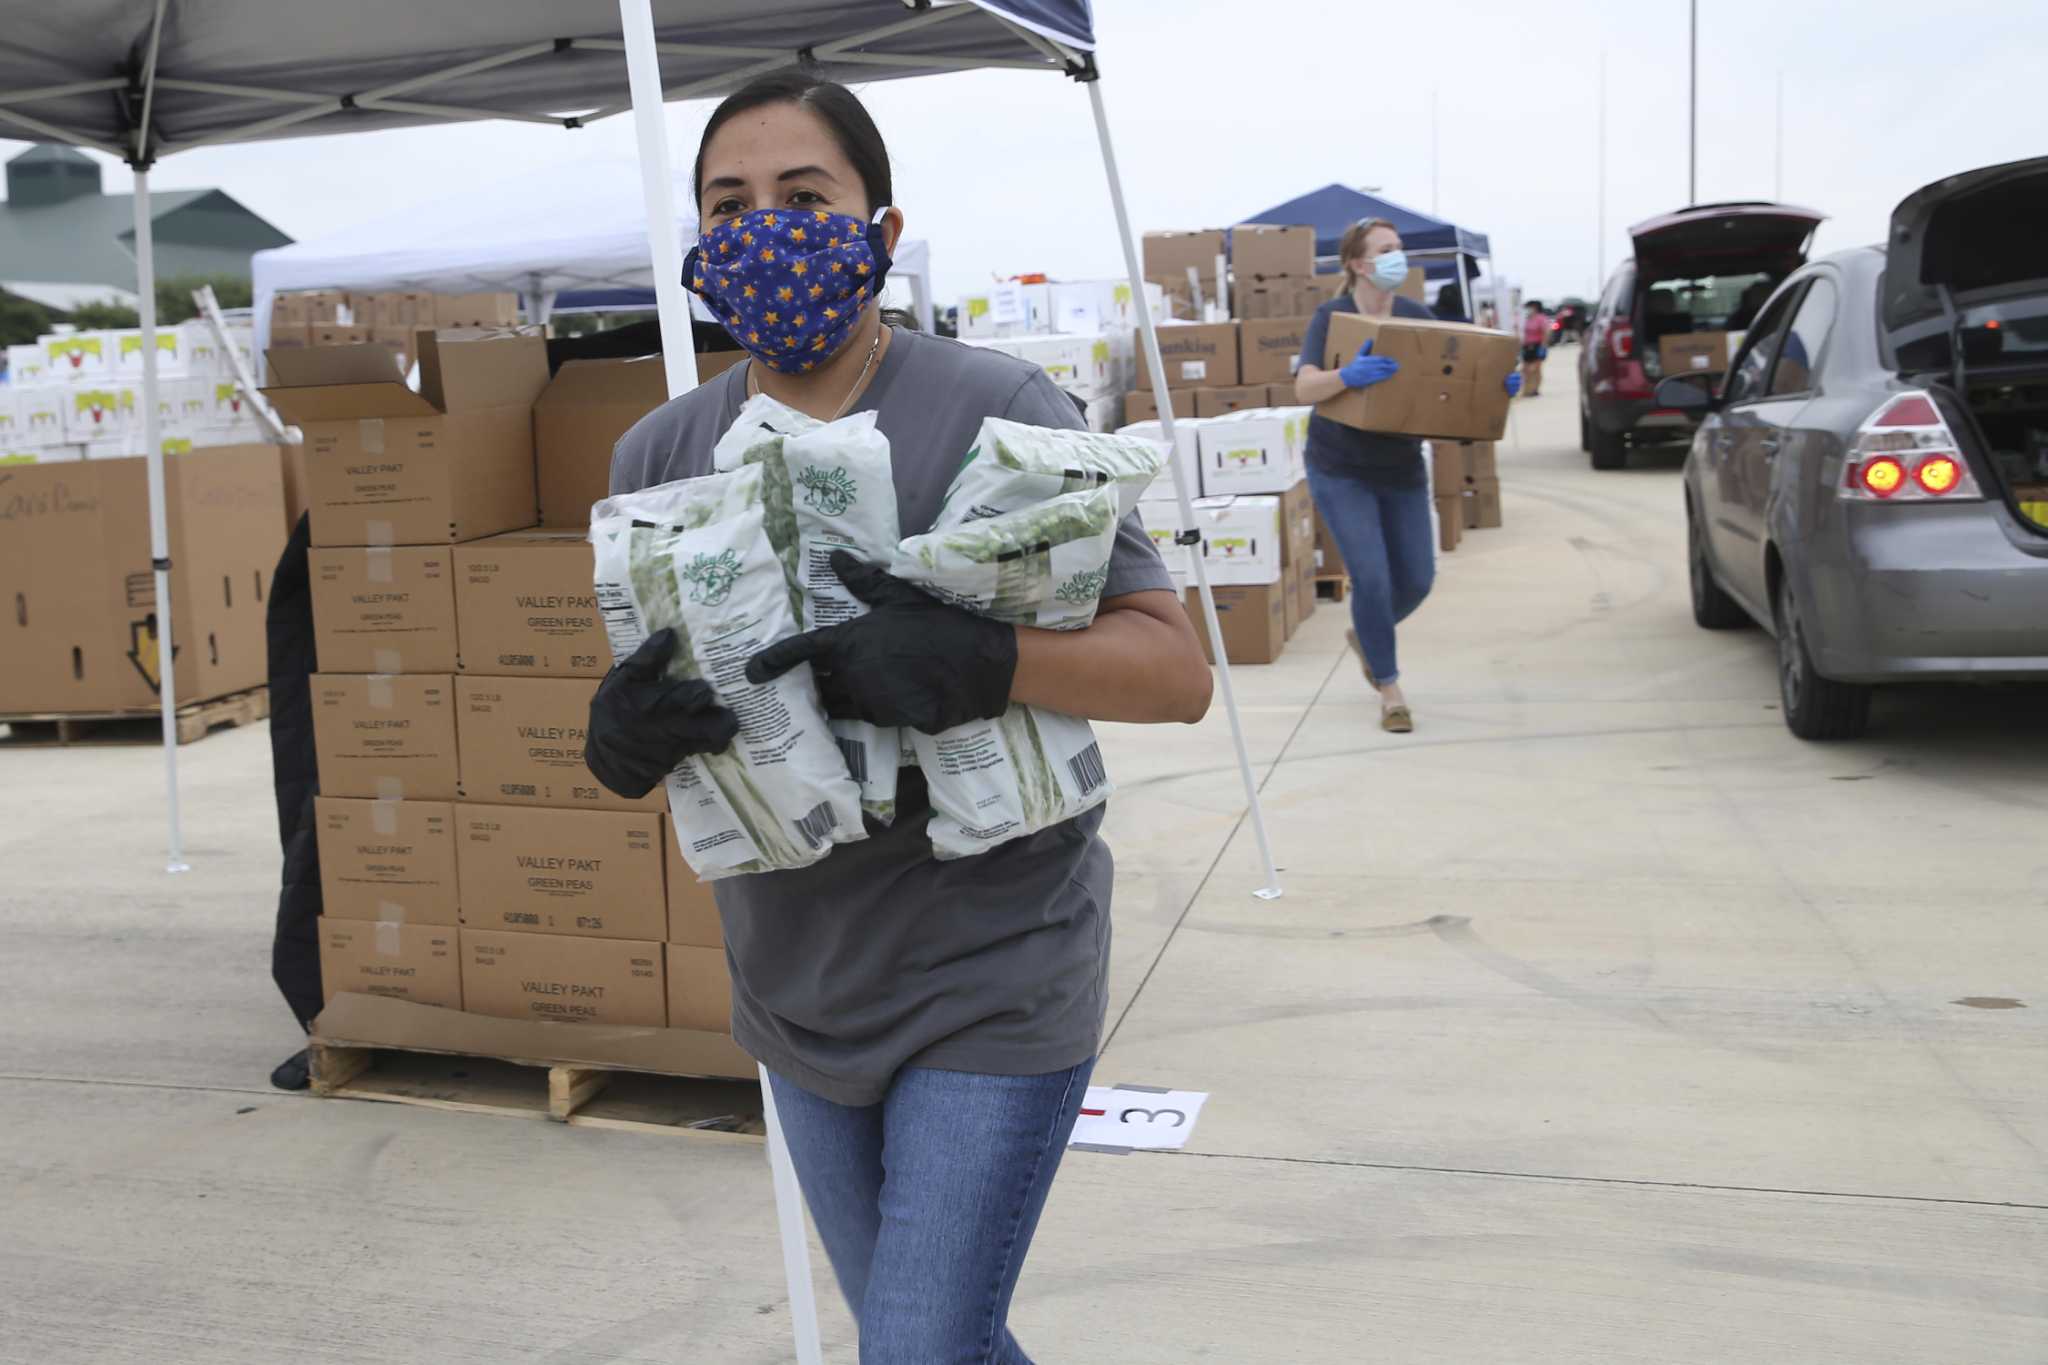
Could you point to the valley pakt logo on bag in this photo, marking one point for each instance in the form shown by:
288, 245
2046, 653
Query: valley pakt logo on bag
829, 491
1084, 586
711, 577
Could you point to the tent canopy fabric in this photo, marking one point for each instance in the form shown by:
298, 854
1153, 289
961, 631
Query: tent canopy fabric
577, 225
242, 70
1333, 208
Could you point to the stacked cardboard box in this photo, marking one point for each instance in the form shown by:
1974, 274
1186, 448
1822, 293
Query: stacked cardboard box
1273, 272
334, 317
78, 395
468, 858
1184, 265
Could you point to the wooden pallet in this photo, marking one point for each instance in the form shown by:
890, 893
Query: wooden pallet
590, 1097
1333, 587
195, 721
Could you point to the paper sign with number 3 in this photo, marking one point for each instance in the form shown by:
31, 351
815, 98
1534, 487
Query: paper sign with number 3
1112, 1116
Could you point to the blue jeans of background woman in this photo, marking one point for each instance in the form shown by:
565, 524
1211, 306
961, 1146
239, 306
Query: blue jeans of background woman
1389, 550
926, 1202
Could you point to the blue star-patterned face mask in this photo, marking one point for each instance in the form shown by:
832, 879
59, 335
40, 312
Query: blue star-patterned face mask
789, 284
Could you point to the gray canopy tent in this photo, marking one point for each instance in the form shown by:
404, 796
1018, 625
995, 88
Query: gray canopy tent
141, 81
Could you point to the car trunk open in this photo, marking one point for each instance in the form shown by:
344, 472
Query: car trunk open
1715, 263
1964, 268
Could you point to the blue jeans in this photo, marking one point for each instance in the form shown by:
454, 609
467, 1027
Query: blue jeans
1384, 536
926, 1202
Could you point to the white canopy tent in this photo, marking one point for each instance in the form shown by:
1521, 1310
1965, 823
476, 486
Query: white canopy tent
575, 225
142, 81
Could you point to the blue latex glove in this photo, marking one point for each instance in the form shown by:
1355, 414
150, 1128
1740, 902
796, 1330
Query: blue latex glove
1367, 369
1514, 383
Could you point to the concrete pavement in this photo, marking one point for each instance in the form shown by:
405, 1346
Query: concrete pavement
1601, 1021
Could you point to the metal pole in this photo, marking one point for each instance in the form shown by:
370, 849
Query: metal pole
1432, 152
643, 76
1692, 106
159, 529
1778, 149
1162, 397
1600, 193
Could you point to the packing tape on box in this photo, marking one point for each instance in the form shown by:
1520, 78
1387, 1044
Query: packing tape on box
390, 789
387, 660
377, 560
380, 534
389, 941
384, 815
390, 912
370, 433
382, 693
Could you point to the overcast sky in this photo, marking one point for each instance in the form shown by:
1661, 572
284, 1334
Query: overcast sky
1221, 109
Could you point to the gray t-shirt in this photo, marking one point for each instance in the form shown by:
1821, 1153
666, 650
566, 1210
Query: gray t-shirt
880, 956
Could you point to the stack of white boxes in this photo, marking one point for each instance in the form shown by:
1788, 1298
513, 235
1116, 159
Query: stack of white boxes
78, 395
1079, 332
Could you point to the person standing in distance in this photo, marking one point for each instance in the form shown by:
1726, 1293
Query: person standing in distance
1535, 347
928, 1027
1371, 487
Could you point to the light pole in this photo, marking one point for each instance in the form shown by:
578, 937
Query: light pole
1692, 106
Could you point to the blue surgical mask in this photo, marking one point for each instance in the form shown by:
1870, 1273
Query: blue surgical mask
1389, 270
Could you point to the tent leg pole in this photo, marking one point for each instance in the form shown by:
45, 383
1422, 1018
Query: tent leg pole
159, 530
1149, 339
643, 76
643, 71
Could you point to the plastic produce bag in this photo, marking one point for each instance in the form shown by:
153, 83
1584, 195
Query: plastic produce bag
1012, 466
992, 781
1043, 565
780, 797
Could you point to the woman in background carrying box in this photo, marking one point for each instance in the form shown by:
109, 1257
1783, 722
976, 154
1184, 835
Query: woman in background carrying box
1371, 487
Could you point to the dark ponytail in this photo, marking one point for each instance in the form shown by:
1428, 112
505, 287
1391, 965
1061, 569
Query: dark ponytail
843, 115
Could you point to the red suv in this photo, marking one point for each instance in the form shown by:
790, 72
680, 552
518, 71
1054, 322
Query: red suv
1681, 305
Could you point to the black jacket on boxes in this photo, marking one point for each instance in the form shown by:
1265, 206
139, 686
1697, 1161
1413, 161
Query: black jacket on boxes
288, 621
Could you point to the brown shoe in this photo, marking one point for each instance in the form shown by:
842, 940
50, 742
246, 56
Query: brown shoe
1396, 720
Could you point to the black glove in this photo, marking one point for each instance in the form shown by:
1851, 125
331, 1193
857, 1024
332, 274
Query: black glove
912, 660
643, 722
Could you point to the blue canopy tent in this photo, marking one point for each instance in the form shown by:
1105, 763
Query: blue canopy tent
1445, 251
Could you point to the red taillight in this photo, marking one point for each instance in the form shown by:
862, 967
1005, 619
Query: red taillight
1938, 474
1623, 339
1882, 476
1908, 410
1905, 452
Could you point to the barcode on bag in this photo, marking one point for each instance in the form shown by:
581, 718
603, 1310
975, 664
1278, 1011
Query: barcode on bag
818, 824
856, 755
1087, 769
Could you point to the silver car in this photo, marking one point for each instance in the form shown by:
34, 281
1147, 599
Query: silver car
1870, 480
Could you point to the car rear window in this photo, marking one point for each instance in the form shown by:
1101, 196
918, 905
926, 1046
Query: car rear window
1713, 303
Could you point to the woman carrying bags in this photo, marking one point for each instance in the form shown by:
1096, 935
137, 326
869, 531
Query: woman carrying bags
1371, 487
928, 1027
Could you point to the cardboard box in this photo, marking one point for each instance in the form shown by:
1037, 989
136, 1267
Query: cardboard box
471, 310
98, 410
368, 1021
79, 629
1482, 501
1217, 402
1477, 460
69, 357
1196, 356
1241, 539
414, 962
1450, 521
388, 609
1253, 451
1297, 525
1693, 352
1253, 620
577, 420
1290, 602
563, 979
692, 909
402, 311
1140, 407
387, 736
1096, 305
1301, 579
27, 365
387, 466
528, 870
1082, 364
288, 311
339, 334
323, 305
699, 989
1187, 432
525, 606
522, 744
1452, 380
1283, 296
1162, 520
1169, 255
1328, 559
391, 861
1269, 349
1446, 467
171, 360
1261, 249
398, 341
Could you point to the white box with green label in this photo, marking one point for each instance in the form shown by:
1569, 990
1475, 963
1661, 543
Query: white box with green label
1162, 522
1257, 450
1241, 539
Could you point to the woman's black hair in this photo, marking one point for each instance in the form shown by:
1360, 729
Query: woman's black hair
837, 107
843, 115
